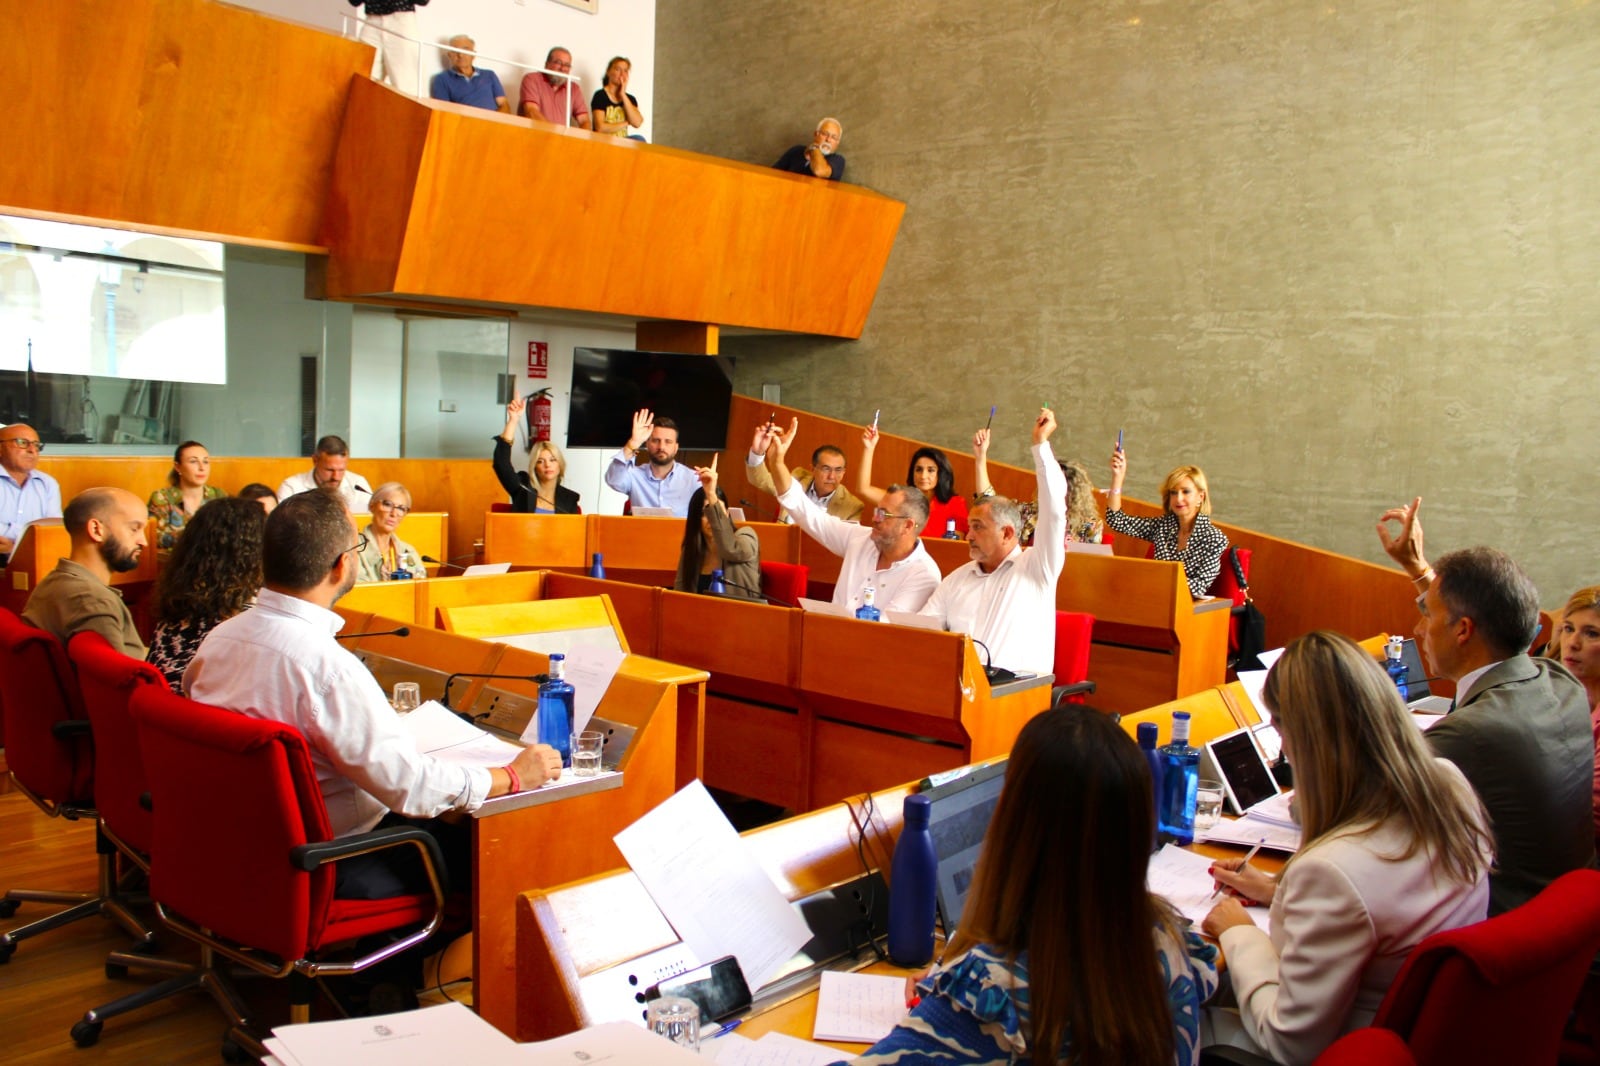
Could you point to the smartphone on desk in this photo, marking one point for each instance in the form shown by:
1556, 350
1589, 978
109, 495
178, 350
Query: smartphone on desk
717, 988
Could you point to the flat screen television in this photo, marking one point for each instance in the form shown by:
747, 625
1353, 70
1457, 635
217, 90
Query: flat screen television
610, 384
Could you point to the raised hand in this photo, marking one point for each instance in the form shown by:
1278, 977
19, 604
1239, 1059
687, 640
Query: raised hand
980, 444
708, 479
1406, 548
869, 438
1119, 467
781, 439
1044, 425
643, 422
515, 408
763, 437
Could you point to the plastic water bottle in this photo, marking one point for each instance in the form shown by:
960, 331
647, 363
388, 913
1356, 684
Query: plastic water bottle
868, 611
555, 709
597, 566
1180, 778
1148, 734
717, 586
911, 888
1395, 665
950, 530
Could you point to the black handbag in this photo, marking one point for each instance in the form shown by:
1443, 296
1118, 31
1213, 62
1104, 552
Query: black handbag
1252, 624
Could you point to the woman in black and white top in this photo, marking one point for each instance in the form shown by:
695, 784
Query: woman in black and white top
1184, 533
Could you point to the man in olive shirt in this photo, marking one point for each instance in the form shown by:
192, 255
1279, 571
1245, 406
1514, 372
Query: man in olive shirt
108, 536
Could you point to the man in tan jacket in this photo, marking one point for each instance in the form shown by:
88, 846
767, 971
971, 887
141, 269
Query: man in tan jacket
823, 483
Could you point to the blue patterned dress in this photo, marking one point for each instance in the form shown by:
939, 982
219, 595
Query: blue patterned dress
976, 1009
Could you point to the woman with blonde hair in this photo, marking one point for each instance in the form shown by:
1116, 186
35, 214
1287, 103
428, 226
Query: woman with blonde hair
1576, 643
1184, 532
1062, 954
539, 490
1395, 847
1083, 514
383, 556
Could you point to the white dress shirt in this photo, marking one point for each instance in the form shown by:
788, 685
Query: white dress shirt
353, 490
22, 505
279, 661
1012, 609
902, 586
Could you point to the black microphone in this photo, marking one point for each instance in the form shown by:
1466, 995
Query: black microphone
757, 593
403, 631
361, 488
450, 561
538, 679
751, 504
997, 675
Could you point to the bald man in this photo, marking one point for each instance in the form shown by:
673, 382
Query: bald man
108, 537
26, 495
461, 83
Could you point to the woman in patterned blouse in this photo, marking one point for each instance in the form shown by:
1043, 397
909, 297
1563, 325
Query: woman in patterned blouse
1061, 946
186, 492
213, 574
1184, 533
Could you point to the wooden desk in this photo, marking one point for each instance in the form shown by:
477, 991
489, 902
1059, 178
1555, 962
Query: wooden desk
637, 549
426, 531
547, 540
418, 601
515, 849
1152, 642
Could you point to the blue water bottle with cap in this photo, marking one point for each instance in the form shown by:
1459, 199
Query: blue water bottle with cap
911, 887
1180, 780
1394, 665
555, 709
597, 566
1149, 733
717, 587
868, 611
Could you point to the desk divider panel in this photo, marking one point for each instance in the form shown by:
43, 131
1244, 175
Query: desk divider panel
391, 599
641, 548
475, 591
554, 625
780, 543
550, 540
634, 605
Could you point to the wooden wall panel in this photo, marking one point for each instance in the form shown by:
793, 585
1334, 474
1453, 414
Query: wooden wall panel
646, 231
182, 115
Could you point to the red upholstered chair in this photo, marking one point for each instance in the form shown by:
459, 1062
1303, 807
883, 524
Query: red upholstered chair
51, 759
784, 583
1074, 631
242, 857
107, 679
1368, 1047
500, 508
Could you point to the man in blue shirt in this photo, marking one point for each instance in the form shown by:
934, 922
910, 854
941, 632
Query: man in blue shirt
660, 482
461, 84
26, 495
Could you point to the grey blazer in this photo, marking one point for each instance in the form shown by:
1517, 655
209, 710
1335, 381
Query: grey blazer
1522, 737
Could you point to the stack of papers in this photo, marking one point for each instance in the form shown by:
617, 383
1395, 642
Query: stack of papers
858, 1008
446, 1033
1269, 823
774, 1049
1183, 879
442, 733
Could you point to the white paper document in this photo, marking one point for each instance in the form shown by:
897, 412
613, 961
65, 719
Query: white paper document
442, 733
709, 886
449, 1032
824, 607
590, 670
481, 569
1249, 831
773, 1049
608, 1044
858, 1008
1181, 877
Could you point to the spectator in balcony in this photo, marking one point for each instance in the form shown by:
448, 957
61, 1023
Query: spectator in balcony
614, 110
461, 83
545, 97
391, 27
817, 158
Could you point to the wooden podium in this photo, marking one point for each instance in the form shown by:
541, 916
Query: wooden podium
45, 543
516, 848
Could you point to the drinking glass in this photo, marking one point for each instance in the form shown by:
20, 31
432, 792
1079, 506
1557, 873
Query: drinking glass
675, 1018
586, 751
407, 696
1207, 805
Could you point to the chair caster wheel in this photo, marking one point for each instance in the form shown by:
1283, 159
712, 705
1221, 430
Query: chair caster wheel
8, 907
115, 971
86, 1034
233, 1053
7, 949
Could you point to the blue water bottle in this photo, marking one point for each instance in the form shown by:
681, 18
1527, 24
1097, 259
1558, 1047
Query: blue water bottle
1180, 778
1148, 735
950, 532
555, 710
911, 888
868, 611
717, 587
1395, 666
597, 567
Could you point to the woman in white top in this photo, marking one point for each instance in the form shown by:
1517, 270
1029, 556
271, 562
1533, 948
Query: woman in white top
1395, 848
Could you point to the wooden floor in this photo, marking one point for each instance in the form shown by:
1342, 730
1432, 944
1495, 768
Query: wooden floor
53, 978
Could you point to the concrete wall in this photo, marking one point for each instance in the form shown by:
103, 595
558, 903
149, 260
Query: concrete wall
1337, 254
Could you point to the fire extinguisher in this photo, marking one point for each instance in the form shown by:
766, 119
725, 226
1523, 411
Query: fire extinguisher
539, 416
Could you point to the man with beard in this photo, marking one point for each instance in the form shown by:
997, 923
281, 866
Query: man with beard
329, 473
887, 556
279, 661
661, 481
108, 536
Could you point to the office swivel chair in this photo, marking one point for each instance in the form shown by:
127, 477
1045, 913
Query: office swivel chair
1074, 635
784, 583
242, 857
51, 759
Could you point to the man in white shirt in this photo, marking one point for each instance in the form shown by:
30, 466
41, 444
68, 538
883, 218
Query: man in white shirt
279, 661
1006, 597
823, 482
26, 494
328, 473
888, 555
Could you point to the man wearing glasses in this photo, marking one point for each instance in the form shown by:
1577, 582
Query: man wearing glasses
279, 661
545, 97
26, 494
888, 556
823, 483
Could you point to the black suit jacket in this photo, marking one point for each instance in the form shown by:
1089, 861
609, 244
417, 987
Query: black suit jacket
519, 486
